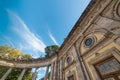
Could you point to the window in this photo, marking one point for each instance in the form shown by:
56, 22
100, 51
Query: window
68, 59
89, 42
109, 69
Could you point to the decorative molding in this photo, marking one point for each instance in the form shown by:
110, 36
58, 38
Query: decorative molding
112, 11
113, 52
99, 45
91, 34
68, 66
70, 74
92, 37
116, 9
118, 41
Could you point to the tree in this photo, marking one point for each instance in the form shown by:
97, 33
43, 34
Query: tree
49, 50
14, 53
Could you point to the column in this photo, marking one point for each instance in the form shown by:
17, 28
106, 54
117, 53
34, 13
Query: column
55, 71
63, 66
79, 66
46, 74
52, 71
61, 69
34, 74
6, 74
22, 74
58, 70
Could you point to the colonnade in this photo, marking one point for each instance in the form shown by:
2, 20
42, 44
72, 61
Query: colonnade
55, 65
56, 70
34, 75
6, 74
20, 76
9, 71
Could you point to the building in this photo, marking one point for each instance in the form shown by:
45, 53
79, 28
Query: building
91, 51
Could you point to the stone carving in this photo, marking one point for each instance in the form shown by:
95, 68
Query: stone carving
115, 28
117, 9
112, 11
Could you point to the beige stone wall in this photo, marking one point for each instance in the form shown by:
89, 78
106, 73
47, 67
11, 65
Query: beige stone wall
105, 29
71, 71
100, 52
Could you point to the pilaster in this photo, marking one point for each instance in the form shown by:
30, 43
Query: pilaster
46, 74
52, 71
34, 74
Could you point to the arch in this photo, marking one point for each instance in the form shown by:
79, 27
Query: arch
91, 34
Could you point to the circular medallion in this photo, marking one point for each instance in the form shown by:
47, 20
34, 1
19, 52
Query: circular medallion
88, 42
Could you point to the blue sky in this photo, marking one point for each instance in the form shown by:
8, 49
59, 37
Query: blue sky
31, 25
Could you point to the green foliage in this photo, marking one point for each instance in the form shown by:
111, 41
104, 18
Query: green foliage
49, 76
11, 52
28, 75
2, 71
14, 74
51, 49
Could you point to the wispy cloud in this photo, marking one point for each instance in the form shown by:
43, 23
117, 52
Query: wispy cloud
7, 40
53, 39
22, 30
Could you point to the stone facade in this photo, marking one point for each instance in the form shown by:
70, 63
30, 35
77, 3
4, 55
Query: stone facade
92, 49
93, 44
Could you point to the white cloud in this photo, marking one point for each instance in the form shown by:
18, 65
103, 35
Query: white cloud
53, 39
22, 30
